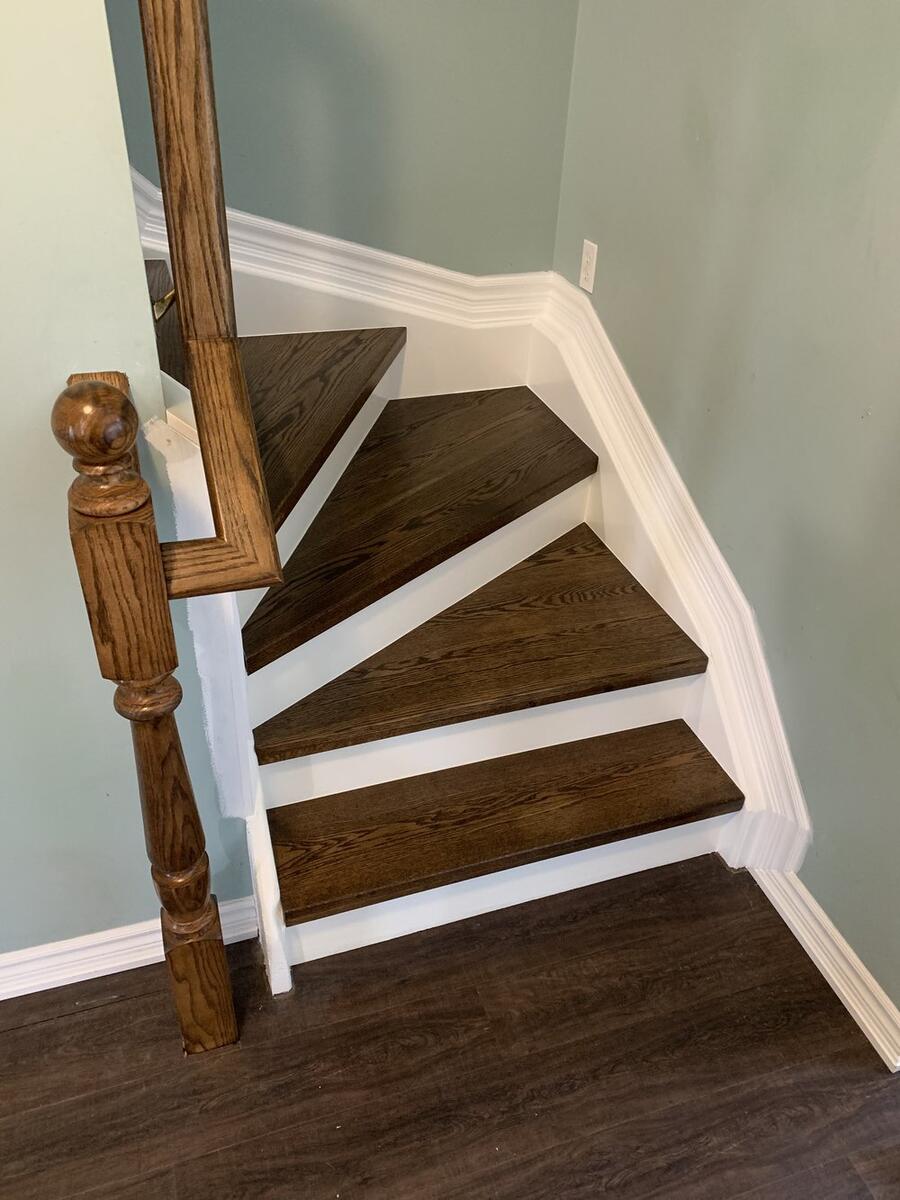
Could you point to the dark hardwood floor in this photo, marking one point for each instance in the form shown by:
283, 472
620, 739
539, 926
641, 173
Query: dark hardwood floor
660, 1035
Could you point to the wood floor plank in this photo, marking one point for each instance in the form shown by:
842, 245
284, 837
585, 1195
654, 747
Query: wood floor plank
210, 1101
160, 1185
832, 1181
567, 622
417, 1073
649, 909
714, 1145
37, 1007
341, 852
640, 913
624, 984
434, 475
880, 1169
99, 1046
512, 1108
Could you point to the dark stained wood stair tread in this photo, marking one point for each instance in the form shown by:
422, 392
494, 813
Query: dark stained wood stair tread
435, 475
305, 389
341, 852
569, 621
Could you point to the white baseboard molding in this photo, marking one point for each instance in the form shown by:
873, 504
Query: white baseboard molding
55, 964
457, 901
861, 994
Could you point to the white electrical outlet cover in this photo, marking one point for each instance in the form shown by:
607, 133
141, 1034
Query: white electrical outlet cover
588, 266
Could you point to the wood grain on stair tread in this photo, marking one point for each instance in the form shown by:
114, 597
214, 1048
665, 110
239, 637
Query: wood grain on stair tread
304, 388
336, 853
435, 475
569, 621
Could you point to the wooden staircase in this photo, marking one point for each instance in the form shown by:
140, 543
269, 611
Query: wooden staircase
435, 475
381, 505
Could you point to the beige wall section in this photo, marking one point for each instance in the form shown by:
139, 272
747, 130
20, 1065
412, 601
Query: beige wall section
72, 299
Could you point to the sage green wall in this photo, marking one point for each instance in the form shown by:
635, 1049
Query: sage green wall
430, 128
738, 164
73, 298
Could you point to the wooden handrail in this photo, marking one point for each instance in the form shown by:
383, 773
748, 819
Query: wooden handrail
127, 575
243, 554
120, 564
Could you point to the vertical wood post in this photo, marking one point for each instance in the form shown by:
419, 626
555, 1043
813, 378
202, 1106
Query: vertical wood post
119, 562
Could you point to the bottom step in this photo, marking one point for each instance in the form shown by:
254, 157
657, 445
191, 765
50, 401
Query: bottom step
341, 852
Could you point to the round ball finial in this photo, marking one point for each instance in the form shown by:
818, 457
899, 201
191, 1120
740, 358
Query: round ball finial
94, 422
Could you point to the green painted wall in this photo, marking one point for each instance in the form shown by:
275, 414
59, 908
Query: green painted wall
428, 128
738, 164
72, 856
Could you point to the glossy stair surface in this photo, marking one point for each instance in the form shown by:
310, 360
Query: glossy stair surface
569, 621
434, 475
304, 388
341, 852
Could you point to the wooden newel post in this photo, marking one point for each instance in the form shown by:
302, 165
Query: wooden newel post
118, 556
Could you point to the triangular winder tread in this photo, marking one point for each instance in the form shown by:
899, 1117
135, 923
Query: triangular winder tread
434, 475
304, 388
341, 852
569, 621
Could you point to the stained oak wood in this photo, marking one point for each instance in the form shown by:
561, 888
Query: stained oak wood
434, 475
182, 100
119, 561
304, 389
569, 621
243, 553
390, 1073
169, 342
341, 852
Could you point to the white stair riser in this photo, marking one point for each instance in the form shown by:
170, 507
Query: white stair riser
475, 741
290, 678
502, 889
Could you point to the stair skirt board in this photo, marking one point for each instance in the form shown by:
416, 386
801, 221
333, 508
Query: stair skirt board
502, 889
308, 667
475, 741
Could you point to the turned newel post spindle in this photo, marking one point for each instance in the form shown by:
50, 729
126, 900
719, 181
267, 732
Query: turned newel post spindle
119, 561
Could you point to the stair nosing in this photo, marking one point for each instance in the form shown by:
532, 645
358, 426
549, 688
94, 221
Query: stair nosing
720, 798
268, 756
